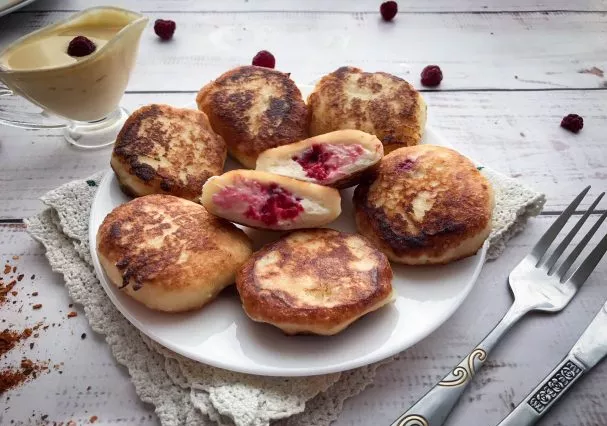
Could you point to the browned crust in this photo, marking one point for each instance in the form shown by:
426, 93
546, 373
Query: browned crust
124, 235
278, 307
237, 109
384, 212
395, 113
175, 135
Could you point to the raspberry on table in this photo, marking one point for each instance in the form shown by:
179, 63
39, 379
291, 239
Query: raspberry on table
572, 122
431, 76
80, 46
388, 10
263, 58
164, 28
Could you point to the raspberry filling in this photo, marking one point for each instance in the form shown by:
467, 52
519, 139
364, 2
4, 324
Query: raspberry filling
324, 161
266, 203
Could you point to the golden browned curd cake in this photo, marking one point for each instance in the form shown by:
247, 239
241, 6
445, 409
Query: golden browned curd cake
425, 204
167, 150
169, 253
334, 159
254, 109
267, 201
315, 281
377, 103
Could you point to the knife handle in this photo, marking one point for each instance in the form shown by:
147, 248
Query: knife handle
550, 390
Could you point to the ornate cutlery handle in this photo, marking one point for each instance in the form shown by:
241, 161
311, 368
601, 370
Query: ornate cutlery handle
434, 407
546, 393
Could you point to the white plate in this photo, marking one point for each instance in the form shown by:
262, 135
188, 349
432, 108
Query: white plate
221, 335
8, 6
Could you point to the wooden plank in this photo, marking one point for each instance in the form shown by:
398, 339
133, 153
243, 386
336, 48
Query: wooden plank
86, 381
475, 51
516, 133
526, 355
327, 6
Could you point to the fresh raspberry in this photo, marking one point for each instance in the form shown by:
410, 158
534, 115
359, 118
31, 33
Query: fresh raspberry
264, 59
388, 10
431, 76
164, 28
572, 122
80, 46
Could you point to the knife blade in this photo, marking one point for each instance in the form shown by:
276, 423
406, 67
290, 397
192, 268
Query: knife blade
591, 347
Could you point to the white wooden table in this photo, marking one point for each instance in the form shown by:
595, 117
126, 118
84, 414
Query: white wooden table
512, 70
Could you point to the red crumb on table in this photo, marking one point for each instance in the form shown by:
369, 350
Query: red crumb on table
72, 314
7, 269
37, 306
13, 377
5, 289
9, 338
93, 419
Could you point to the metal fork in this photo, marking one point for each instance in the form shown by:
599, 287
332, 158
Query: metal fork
537, 285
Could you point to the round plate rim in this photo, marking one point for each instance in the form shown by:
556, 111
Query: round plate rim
266, 370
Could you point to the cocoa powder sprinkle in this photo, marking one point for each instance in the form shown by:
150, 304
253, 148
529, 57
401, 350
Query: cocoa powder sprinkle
5, 289
9, 338
12, 377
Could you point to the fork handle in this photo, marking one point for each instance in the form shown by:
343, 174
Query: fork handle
539, 401
434, 407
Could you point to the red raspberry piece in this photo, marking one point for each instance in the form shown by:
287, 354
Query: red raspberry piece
572, 122
164, 28
80, 46
264, 59
431, 76
388, 10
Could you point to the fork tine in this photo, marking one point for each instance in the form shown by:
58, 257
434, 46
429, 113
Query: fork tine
578, 248
542, 245
563, 244
585, 269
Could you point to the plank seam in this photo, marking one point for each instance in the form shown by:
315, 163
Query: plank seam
366, 12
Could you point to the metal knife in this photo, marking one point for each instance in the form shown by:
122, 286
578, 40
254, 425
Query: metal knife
590, 348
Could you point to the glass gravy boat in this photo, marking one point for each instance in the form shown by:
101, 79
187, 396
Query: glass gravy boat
80, 94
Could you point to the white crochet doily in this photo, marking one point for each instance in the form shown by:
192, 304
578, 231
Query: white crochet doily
185, 392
